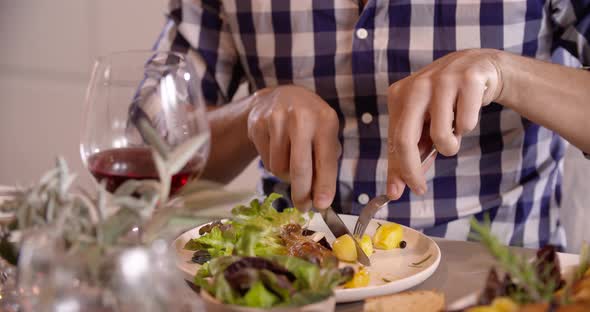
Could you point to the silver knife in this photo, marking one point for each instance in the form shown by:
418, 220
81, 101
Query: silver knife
338, 228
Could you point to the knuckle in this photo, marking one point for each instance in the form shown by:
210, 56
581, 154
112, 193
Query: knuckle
298, 116
408, 177
437, 135
395, 88
277, 167
329, 115
275, 121
472, 76
464, 125
299, 171
401, 143
421, 83
445, 81
254, 130
259, 128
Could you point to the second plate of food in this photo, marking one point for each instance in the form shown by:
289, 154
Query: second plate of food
391, 271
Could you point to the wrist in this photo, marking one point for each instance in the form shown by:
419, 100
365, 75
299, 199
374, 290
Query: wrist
510, 79
499, 60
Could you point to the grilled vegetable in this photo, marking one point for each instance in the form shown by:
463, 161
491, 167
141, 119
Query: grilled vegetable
388, 236
304, 247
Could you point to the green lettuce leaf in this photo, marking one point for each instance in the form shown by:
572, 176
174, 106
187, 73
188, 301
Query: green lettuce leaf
254, 231
260, 297
216, 243
223, 290
192, 245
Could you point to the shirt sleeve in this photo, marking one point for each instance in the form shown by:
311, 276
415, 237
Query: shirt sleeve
199, 29
572, 21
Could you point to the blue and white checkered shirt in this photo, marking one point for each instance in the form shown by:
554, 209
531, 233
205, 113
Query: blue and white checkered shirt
508, 167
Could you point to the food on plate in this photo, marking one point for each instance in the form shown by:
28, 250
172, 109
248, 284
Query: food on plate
366, 244
274, 281
264, 258
410, 301
388, 236
360, 279
345, 249
536, 285
500, 304
253, 230
304, 246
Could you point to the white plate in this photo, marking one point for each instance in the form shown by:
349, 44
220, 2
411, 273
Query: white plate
393, 265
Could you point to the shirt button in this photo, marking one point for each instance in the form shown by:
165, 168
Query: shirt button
367, 118
362, 33
363, 199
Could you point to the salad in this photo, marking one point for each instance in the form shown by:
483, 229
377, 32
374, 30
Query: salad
265, 258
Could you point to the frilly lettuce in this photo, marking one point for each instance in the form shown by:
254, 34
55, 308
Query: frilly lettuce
254, 231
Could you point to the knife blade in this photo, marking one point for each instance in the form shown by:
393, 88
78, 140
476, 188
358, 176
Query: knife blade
338, 228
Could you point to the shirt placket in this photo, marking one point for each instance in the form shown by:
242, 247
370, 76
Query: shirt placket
363, 68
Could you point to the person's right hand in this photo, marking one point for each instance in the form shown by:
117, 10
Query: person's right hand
296, 135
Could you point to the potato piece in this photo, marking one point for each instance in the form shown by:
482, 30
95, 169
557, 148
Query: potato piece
344, 248
505, 304
360, 279
500, 304
366, 244
388, 236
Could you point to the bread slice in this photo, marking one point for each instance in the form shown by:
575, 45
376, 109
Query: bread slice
411, 301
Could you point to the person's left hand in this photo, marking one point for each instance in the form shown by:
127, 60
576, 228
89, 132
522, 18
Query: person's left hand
447, 95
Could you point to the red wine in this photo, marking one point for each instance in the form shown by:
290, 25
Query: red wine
115, 166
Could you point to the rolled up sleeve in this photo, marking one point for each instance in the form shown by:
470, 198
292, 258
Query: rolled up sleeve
572, 21
199, 29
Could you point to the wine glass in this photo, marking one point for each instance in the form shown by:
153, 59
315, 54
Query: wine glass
133, 97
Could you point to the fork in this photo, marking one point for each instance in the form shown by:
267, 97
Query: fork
375, 204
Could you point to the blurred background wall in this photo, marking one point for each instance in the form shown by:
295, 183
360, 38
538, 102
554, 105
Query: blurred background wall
46, 55
47, 51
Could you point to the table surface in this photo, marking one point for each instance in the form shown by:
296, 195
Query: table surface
462, 271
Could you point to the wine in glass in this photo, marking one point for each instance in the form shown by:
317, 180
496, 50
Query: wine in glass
134, 98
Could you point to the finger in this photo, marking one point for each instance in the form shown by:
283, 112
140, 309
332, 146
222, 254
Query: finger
260, 137
395, 185
406, 154
326, 151
279, 145
469, 102
301, 164
441, 109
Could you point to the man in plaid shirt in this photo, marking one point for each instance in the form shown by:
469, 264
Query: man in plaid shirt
346, 95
